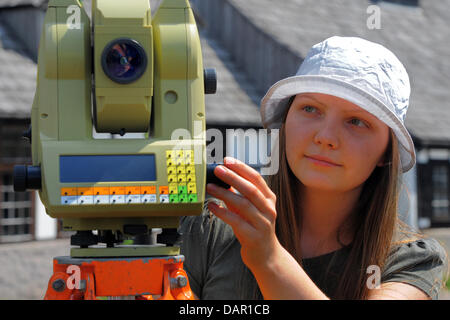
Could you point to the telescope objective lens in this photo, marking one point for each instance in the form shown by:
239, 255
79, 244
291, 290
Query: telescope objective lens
124, 60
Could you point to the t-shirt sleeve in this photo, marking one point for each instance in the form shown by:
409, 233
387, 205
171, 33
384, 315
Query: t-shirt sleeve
422, 263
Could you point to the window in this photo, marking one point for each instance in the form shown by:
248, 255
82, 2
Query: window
13, 147
16, 219
440, 191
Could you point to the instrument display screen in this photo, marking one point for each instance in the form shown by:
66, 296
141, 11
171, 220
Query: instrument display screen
107, 168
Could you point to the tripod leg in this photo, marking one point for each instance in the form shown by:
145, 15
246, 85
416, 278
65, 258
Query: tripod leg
61, 287
90, 287
176, 284
57, 287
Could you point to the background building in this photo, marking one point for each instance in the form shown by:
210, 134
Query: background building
252, 44
22, 216
266, 41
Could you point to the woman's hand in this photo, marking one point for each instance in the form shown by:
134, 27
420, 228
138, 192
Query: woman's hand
251, 213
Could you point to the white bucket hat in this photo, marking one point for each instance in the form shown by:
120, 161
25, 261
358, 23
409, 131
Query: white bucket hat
362, 72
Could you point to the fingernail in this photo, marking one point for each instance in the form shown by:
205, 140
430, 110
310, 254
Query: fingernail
229, 160
221, 169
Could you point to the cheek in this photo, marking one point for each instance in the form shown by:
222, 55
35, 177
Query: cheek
297, 143
361, 159
296, 139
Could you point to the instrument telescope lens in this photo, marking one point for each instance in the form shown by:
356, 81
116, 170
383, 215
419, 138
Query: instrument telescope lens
124, 60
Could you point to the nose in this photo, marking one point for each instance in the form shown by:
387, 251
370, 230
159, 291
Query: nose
327, 135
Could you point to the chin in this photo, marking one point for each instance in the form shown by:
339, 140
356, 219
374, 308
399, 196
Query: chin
320, 185
317, 179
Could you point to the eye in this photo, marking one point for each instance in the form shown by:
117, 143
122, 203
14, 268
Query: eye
358, 121
308, 109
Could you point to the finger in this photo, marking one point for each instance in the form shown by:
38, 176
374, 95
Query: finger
248, 191
240, 226
234, 190
236, 203
250, 174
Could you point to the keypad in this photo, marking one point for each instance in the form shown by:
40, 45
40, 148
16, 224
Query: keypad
181, 186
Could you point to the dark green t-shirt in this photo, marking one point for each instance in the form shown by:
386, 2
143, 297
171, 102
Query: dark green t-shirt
216, 272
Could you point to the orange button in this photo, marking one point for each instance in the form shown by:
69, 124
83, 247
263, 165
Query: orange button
148, 189
164, 190
116, 190
133, 190
68, 191
101, 191
89, 191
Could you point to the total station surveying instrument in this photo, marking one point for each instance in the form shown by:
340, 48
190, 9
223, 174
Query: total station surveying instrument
125, 71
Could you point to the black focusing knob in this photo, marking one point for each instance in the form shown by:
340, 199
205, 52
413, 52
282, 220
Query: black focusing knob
212, 178
20, 178
210, 79
27, 177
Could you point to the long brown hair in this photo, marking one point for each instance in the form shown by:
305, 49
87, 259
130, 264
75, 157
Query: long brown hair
374, 218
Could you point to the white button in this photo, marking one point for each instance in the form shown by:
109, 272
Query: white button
164, 198
148, 198
83, 200
69, 200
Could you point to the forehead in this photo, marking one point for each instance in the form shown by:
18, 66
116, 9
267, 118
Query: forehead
345, 107
330, 101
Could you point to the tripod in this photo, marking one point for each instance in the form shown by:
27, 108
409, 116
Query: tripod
143, 272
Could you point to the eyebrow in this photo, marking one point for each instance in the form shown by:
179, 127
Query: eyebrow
312, 98
360, 110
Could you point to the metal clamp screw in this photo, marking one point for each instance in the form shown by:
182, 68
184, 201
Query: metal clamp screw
59, 285
178, 282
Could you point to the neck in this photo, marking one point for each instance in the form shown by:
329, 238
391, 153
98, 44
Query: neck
323, 213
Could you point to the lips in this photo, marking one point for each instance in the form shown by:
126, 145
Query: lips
323, 159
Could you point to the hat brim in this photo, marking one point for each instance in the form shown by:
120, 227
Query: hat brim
275, 102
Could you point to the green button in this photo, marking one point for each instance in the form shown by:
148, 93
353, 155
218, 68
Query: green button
192, 197
182, 189
173, 198
183, 198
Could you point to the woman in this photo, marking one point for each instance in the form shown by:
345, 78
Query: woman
326, 225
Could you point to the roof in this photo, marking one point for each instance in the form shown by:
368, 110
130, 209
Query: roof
17, 78
417, 35
19, 3
232, 105
236, 101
